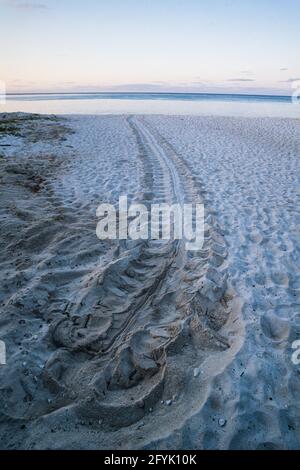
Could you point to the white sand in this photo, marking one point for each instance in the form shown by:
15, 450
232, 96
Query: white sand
102, 335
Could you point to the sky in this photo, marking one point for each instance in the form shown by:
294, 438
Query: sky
236, 46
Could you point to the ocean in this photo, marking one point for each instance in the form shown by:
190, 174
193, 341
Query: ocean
153, 103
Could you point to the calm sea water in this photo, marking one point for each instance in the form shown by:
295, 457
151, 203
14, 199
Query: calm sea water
153, 103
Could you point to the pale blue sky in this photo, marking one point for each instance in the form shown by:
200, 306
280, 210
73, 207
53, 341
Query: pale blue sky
145, 45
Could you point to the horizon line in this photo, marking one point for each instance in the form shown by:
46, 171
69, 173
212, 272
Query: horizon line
20, 93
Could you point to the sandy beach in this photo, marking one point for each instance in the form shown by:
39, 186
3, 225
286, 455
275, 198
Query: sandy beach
142, 344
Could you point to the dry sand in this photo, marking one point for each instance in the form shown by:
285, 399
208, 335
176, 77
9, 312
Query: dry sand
124, 345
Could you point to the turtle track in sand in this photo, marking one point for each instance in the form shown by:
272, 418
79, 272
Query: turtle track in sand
150, 303
126, 325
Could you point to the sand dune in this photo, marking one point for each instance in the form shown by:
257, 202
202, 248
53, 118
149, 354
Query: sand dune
142, 344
